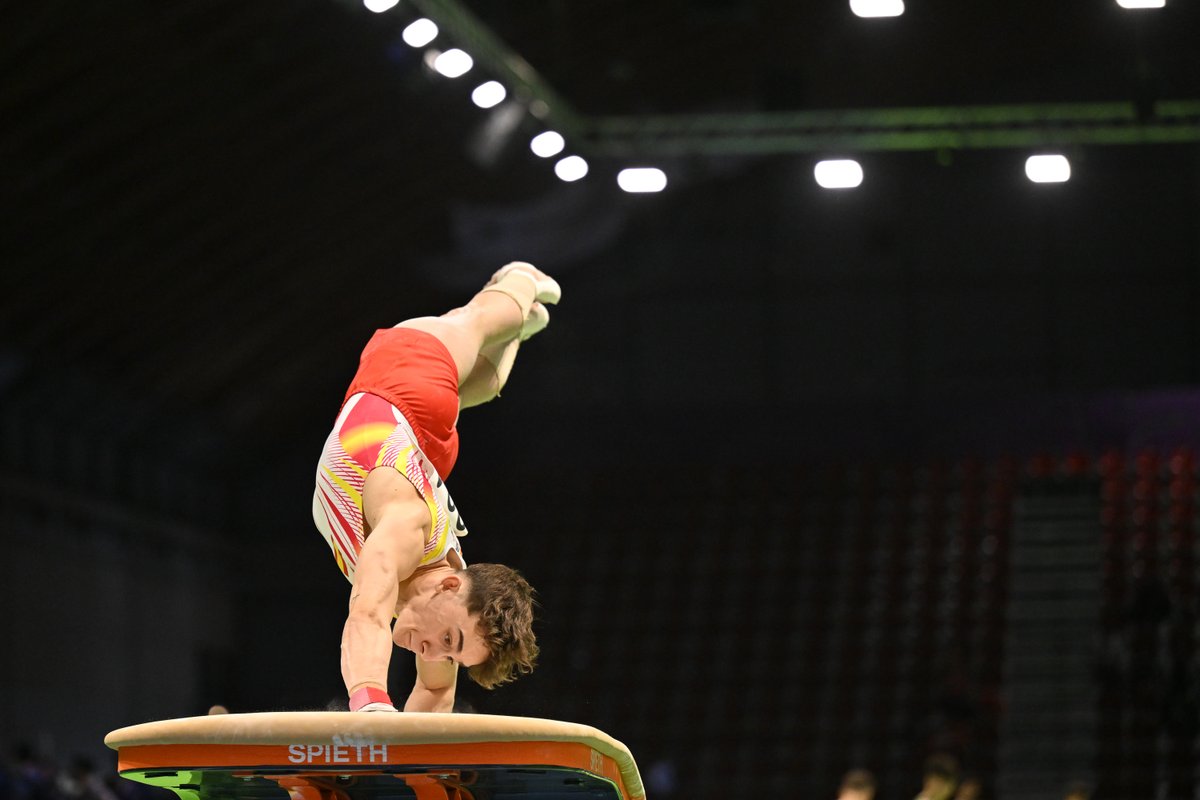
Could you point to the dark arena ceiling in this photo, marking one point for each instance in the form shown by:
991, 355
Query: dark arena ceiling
209, 205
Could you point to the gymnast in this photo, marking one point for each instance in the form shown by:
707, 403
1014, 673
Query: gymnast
395, 532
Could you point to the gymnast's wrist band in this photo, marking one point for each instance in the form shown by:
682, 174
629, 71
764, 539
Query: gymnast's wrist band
368, 695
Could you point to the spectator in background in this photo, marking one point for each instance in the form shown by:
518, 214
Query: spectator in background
81, 782
26, 775
29, 777
857, 784
1077, 790
940, 777
970, 787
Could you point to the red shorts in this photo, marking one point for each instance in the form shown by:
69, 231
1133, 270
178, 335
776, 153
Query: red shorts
414, 371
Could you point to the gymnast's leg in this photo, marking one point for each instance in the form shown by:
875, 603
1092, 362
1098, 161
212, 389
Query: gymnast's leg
484, 335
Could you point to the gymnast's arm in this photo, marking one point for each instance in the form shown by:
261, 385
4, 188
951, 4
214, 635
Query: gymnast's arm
434, 689
391, 553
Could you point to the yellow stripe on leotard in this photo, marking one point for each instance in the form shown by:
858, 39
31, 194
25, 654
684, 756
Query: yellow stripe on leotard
350, 491
366, 435
436, 535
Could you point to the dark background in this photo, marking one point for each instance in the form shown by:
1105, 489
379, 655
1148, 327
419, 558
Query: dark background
208, 207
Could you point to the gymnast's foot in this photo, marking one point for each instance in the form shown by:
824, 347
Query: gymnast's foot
546, 291
538, 318
547, 288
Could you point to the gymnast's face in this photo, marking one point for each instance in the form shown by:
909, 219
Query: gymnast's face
442, 630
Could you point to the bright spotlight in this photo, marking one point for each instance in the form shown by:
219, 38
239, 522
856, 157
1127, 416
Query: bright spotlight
642, 179
877, 8
571, 168
844, 173
1141, 3
420, 32
1048, 169
380, 6
453, 63
489, 94
547, 144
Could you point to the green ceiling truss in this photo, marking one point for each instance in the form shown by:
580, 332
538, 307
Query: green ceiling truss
1031, 126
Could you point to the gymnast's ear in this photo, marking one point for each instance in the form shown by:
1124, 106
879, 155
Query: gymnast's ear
450, 583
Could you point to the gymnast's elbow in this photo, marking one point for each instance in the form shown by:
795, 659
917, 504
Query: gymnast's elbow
365, 619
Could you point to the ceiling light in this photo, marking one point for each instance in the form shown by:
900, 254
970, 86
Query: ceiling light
1048, 169
571, 168
453, 63
547, 144
642, 179
489, 94
877, 8
419, 32
843, 173
1141, 3
380, 6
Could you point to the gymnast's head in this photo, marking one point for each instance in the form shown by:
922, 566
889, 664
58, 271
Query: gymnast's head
501, 602
480, 617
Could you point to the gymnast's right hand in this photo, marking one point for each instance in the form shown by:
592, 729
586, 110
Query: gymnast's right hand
378, 707
370, 698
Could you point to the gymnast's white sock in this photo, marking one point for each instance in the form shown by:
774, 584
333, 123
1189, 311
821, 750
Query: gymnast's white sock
520, 287
515, 280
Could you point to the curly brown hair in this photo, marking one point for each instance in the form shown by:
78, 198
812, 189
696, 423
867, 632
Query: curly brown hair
504, 601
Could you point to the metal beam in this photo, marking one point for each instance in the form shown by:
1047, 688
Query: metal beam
526, 85
931, 128
859, 130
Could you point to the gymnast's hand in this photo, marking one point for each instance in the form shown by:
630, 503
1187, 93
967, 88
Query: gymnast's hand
378, 707
370, 698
